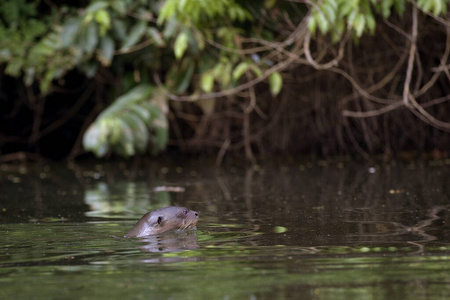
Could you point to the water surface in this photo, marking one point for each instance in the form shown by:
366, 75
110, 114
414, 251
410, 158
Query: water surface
279, 231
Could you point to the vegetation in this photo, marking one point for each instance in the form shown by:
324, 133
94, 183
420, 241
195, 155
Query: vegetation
364, 75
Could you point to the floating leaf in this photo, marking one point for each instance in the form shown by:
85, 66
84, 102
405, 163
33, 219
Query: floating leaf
279, 229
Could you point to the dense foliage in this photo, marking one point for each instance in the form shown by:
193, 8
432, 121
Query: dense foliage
195, 51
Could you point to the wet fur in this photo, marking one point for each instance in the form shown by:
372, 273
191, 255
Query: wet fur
164, 219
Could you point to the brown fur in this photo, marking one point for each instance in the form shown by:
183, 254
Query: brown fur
164, 219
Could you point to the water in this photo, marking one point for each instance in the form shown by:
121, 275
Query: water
280, 231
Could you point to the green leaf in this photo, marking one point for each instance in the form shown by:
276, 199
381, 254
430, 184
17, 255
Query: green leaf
125, 146
141, 112
70, 31
171, 28
167, 11
371, 23
112, 131
120, 7
93, 141
90, 38
322, 22
240, 70
329, 12
207, 81
135, 34
119, 29
400, 6
346, 8
139, 131
141, 92
226, 75
95, 6
181, 44
386, 8
439, 7
312, 24
106, 51
275, 83
103, 19
186, 72
426, 5
156, 36
351, 17
256, 70
154, 111
129, 124
359, 24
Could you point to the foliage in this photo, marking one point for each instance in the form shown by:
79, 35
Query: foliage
199, 12
335, 16
197, 46
125, 126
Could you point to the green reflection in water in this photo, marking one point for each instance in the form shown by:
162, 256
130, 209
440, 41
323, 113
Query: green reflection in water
218, 277
271, 233
40, 261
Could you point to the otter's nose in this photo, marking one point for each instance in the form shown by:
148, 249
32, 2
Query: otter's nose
196, 214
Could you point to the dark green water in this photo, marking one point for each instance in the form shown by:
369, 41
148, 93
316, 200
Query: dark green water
294, 231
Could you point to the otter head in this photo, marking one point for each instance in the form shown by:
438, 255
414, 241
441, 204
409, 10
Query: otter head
164, 219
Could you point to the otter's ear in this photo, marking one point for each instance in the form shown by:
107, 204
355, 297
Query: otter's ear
160, 219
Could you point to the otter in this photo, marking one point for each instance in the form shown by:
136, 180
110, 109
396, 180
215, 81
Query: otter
162, 220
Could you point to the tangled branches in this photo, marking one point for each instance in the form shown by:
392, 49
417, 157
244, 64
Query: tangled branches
337, 98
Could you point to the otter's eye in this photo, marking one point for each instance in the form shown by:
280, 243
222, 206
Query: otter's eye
186, 212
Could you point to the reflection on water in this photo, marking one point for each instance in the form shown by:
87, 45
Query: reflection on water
169, 242
292, 231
